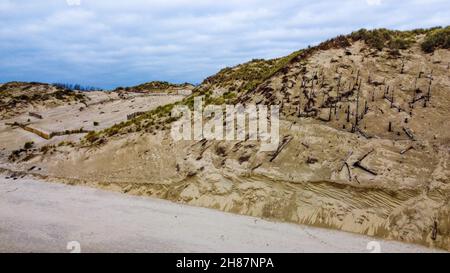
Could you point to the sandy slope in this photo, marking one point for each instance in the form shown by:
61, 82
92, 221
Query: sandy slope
393, 183
105, 108
36, 216
389, 176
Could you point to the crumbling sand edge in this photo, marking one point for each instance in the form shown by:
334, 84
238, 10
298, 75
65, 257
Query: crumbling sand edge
159, 191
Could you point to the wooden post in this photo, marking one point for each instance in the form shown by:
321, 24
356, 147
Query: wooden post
429, 89
339, 85
390, 126
434, 231
357, 105
392, 101
329, 116
348, 113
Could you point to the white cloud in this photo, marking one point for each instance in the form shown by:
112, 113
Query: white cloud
109, 43
373, 2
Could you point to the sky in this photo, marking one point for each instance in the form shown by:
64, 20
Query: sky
106, 43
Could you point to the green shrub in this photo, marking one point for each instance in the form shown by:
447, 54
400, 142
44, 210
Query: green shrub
45, 149
113, 131
14, 155
28, 145
399, 43
438, 38
384, 38
92, 137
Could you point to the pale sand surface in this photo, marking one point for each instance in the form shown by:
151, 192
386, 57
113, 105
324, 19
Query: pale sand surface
38, 216
104, 108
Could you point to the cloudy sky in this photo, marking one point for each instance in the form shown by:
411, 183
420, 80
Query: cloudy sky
108, 43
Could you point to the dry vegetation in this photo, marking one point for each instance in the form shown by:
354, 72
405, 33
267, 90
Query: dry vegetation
155, 87
16, 96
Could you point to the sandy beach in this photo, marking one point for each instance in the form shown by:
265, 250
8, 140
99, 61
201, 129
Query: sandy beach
39, 216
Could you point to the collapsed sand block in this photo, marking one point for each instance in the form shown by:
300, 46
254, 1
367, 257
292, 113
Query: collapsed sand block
38, 132
50, 135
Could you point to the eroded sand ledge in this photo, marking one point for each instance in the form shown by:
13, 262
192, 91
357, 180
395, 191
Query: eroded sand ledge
40, 216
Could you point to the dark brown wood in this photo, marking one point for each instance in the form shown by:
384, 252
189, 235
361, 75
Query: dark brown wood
362, 133
348, 172
406, 150
281, 146
409, 133
434, 231
357, 106
348, 113
358, 164
345, 160
365, 155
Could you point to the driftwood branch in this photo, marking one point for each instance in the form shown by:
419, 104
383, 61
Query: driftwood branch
406, 150
282, 145
409, 133
365, 155
358, 164
345, 160
348, 171
361, 132
35, 115
345, 164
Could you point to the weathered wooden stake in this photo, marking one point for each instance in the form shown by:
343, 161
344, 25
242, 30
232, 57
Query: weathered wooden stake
329, 116
392, 101
339, 85
348, 113
357, 105
429, 89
